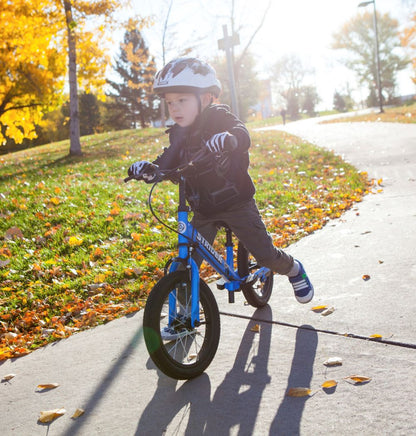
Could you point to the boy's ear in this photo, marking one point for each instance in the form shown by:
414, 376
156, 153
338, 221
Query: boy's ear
206, 99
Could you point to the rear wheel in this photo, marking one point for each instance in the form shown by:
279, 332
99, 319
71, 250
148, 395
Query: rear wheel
190, 349
258, 293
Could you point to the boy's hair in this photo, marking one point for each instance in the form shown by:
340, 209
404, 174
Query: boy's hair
187, 75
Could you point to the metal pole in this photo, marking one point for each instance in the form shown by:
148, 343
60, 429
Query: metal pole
380, 95
228, 53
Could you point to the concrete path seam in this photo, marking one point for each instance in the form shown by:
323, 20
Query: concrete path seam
328, 332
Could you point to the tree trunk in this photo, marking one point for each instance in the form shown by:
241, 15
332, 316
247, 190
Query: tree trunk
74, 132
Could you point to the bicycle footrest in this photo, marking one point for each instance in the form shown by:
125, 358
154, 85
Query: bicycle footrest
250, 279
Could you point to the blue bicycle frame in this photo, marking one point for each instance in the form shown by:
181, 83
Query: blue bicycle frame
188, 239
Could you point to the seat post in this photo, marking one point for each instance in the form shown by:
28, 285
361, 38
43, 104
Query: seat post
182, 206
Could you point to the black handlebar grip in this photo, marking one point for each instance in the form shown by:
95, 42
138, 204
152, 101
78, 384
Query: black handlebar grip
231, 143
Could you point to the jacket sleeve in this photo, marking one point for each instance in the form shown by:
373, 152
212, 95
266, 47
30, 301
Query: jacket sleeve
224, 120
171, 156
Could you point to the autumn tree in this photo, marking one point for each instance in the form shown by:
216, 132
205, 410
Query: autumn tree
357, 40
134, 102
89, 114
408, 39
67, 36
309, 99
290, 76
343, 102
87, 58
31, 67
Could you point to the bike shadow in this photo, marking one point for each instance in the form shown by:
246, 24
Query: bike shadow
289, 415
190, 411
236, 401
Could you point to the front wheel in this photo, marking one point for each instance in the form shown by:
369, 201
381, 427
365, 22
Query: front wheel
181, 351
258, 293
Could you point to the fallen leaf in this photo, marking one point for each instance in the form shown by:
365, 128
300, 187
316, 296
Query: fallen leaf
376, 337
333, 361
256, 328
329, 384
298, 392
319, 308
50, 415
4, 263
78, 413
358, 379
48, 386
13, 233
381, 261
328, 311
366, 277
8, 377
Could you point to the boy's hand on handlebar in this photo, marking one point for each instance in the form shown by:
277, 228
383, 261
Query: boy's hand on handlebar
143, 170
221, 142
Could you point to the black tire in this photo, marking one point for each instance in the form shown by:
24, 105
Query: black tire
257, 294
188, 356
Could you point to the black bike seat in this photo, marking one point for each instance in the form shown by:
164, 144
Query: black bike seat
221, 224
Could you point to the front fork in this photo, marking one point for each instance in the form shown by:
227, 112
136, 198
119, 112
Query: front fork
185, 258
229, 250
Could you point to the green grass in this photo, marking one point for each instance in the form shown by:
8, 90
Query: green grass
78, 247
398, 114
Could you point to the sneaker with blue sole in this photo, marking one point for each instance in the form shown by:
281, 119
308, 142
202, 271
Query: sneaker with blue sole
302, 286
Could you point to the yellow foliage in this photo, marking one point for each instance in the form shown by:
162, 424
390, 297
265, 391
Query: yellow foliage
408, 39
33, 58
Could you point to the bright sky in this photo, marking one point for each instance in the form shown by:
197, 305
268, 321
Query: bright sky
301, 26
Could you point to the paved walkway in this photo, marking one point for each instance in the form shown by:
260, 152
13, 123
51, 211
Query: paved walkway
107, 372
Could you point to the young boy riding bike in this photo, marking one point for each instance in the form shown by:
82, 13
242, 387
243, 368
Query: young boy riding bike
217, 194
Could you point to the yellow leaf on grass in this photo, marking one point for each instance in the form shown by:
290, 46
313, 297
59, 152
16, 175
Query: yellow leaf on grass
48, 386
329, 384
74, 241
319, 308
50, 415
78, 413
358, 379
298, 392
256, 328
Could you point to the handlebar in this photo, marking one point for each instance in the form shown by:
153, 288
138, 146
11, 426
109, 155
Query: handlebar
198, 158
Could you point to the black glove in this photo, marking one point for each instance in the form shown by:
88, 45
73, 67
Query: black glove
143, 170
220, 142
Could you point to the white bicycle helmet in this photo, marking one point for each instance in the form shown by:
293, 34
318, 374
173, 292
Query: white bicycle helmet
186, 75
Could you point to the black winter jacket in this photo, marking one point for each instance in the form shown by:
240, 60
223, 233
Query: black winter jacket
211, 189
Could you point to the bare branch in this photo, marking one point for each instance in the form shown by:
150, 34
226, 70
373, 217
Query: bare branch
244, 52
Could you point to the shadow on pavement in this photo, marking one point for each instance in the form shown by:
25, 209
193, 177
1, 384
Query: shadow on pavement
289, 415
235, 403
106, 383
237, 400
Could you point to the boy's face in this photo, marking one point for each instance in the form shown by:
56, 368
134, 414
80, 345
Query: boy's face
183, 108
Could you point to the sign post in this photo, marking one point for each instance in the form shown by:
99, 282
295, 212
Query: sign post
226, 43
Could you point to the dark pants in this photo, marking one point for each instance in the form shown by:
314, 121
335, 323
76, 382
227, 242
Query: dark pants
245, 222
